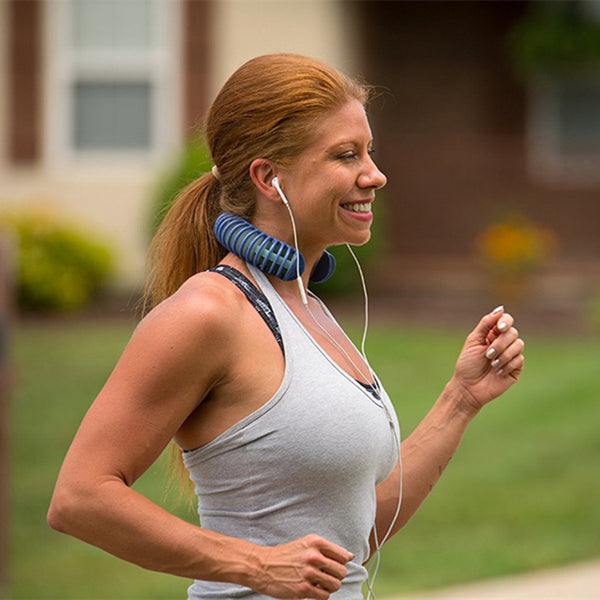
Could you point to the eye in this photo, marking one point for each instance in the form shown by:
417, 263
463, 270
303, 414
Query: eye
348, 156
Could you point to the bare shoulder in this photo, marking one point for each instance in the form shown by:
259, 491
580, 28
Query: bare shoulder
204, 308
185, 345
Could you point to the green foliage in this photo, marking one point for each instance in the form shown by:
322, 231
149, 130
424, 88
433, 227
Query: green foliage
554, 36
345, 282
191, 163
594, 312
58, 266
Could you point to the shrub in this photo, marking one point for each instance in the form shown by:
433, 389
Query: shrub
58, 267
193, 162
345, 282
594, 312
346, 279
554, 36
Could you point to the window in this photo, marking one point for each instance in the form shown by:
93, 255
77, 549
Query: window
114, 83
111, 115
564, 128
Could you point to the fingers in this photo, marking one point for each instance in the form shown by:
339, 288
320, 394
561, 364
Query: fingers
322, 572
329, 560
492, 325
488, 322
310, 567
513, 367
335, 552
504, 350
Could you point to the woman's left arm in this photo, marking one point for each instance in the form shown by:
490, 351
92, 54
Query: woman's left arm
490, 362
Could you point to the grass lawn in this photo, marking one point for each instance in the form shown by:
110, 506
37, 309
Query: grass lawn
521, 493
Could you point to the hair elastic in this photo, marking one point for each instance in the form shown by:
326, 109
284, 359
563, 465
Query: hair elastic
270, 255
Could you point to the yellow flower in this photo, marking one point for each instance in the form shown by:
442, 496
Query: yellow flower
516, 244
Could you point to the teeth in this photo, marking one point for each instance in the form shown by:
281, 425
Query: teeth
363, 207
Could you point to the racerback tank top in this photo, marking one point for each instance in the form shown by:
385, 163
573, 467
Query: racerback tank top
307, 461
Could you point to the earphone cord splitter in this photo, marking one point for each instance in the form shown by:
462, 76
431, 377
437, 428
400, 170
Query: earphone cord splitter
374, 568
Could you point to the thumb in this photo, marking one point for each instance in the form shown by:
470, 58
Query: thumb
487, 324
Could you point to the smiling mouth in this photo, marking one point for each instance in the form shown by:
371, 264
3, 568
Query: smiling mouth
357, 207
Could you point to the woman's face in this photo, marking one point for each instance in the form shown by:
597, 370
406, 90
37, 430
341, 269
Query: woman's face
332, 186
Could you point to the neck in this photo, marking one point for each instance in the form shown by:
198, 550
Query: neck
283, 231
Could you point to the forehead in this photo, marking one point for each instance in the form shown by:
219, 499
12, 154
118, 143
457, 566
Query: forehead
349, 123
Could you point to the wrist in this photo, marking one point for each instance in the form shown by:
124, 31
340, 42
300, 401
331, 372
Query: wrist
462, 399
253, 566
230, 560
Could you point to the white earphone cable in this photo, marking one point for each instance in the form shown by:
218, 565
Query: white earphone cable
374, 568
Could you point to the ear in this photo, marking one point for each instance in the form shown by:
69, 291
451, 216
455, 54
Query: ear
262, 172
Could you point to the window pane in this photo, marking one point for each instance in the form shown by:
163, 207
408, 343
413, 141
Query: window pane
112, 24
579, 117
112, 116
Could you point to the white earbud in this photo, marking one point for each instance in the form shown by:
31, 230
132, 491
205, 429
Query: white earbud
275, 183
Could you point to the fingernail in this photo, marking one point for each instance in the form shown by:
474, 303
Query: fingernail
497, 309
500, 372
495, 363
502, 325
490, 353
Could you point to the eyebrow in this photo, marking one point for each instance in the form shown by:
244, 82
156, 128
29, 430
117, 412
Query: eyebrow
347, 142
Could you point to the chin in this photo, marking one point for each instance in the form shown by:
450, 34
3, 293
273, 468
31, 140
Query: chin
360, 240
352, 236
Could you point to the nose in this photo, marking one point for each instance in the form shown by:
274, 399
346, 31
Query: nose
372, 177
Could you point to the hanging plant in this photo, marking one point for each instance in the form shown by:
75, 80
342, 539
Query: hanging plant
554, 37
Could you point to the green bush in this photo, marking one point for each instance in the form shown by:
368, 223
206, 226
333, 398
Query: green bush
345, 282
553, 36
594, 312
58, 267
192, 163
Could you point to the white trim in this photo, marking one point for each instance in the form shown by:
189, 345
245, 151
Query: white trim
161, 67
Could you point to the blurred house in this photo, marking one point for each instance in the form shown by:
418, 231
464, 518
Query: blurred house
467, 142
95, 97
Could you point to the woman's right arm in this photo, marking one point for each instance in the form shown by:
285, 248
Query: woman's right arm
178, 353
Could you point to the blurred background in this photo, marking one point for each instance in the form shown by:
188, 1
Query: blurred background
487, 124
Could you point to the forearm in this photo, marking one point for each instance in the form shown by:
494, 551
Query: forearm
117, 519
490, 362
425, 454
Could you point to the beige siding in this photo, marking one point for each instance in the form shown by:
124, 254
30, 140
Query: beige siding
246, 28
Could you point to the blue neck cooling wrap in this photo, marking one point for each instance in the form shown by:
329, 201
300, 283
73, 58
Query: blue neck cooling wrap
270, 255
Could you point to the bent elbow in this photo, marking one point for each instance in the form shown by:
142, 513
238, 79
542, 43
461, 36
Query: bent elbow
63, 512
57, 516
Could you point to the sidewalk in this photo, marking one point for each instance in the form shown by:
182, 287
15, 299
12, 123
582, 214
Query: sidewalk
577, 582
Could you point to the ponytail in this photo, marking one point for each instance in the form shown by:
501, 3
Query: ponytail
184, 243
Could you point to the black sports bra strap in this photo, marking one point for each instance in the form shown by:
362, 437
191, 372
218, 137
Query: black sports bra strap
256, 298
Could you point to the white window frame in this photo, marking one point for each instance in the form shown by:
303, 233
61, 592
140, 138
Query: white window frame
546, 162
161, 68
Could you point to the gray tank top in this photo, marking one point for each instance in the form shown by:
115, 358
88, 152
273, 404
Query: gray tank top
307, 461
